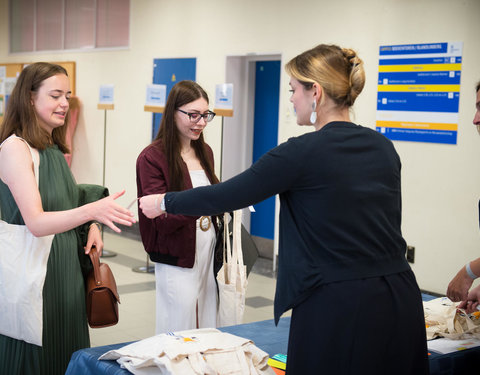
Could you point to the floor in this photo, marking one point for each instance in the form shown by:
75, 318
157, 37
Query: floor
137, 292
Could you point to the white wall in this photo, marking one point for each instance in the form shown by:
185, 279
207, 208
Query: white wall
440, 182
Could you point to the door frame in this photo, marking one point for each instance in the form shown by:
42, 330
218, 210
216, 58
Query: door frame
238, 130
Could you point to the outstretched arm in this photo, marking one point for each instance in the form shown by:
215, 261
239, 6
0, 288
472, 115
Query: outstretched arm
16, 172
276, 172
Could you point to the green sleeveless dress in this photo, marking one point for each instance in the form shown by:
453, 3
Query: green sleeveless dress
65, 327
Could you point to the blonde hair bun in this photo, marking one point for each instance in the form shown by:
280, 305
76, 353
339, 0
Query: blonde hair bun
339, 71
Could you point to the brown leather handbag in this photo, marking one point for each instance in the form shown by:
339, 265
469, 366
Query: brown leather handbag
102, 295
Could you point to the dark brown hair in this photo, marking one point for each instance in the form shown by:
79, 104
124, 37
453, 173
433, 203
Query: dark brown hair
478, 86
20, 117
339, 71
182, 93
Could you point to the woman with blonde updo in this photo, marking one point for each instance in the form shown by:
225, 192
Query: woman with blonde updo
356, 306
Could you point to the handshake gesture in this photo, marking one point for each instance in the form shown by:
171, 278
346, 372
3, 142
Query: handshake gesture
151, 205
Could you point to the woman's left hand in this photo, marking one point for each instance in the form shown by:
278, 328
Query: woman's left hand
94, 239
150, 205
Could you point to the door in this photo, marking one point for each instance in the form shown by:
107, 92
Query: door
169, 72
265, 137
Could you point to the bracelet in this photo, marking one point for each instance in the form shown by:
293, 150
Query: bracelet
97, 224
470, 272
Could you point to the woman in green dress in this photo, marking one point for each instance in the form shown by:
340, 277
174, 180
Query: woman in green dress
33, 133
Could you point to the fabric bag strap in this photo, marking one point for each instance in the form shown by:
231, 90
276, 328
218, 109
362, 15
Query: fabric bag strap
237, 253
34, 157
237, 236
227, 248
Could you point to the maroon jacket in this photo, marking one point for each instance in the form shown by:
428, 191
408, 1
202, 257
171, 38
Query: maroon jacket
167, 239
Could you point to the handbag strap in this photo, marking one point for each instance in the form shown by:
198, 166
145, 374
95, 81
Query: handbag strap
96, 265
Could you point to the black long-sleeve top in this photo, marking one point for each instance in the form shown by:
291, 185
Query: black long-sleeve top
340, 207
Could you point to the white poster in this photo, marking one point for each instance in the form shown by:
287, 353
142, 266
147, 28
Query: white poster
106, 94
224, 96
9, 85
156, 95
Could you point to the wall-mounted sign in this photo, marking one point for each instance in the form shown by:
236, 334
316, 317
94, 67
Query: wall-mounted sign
419, 92
106, 94
224, 99
156, 95
224, 96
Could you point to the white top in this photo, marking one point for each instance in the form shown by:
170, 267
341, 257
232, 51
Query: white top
199, 178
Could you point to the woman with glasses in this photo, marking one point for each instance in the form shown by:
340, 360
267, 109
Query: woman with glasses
356, 306
181, 246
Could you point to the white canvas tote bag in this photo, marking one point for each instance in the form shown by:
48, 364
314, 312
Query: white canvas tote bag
204, 351
23, 266
232, 277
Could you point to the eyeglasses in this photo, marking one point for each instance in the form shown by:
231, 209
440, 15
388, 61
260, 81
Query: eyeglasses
195, 116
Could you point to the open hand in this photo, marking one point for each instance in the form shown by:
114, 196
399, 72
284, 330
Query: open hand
108, 212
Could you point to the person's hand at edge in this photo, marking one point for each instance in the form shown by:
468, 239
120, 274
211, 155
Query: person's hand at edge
472, 302
458, 288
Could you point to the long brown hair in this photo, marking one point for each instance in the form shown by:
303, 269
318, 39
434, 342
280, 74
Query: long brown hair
20, 117
182, 93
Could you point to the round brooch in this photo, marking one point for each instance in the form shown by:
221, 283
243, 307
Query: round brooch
205, 223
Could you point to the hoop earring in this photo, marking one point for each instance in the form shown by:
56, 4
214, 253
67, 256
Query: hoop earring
313, 116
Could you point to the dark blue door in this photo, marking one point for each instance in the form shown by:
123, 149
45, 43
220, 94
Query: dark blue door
265, 137
169, 72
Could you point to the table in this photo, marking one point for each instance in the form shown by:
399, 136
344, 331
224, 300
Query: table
266, 336
272, 339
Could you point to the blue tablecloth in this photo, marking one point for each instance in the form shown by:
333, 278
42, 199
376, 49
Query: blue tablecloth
272, 340
266, 336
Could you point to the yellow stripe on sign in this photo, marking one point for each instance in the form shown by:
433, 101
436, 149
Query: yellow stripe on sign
420, 88
416, 125
419, 68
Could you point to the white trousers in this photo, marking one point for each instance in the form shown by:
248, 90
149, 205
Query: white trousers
179, 290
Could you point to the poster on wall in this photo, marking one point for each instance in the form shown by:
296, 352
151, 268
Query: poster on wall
419, 92
156, 95
106, 94
3, 75
224, 96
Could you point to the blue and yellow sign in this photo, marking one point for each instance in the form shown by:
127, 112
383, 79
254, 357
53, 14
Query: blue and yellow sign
419, 92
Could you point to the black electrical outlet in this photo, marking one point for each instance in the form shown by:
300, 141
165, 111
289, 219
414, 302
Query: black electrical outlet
411, 254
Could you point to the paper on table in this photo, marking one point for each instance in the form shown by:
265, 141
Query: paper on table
443, 345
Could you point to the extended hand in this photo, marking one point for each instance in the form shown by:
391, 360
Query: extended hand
150, 205
108, 212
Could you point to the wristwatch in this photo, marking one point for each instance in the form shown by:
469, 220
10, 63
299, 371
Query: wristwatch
162, 205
